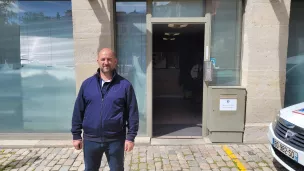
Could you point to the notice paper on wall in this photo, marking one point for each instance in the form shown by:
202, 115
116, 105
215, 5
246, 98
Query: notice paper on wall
228, 104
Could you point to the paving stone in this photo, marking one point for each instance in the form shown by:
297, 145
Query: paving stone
204, 166
174, 163
61, 161
209, 160
167, 167
142, 166
73, 168
69, 162
189, 157
81, 167
158, 165
195, 169
262, 164
64, 168
76, 163
221, 164
56, 167
192, 163
185, 166
213, 166
266, 169
225, 169
134, 167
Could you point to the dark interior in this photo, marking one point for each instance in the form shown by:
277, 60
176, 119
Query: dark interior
178, 53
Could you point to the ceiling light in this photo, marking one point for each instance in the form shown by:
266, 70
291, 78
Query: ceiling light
167, 34
172, 39
176, 34
177, 25
171, 25
165, 39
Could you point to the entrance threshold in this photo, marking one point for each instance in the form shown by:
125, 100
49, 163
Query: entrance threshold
178, 137
178, 141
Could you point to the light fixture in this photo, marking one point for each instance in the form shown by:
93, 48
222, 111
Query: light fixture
167, 34
171, 25
177, 25
176, 34
172, 39
165, 38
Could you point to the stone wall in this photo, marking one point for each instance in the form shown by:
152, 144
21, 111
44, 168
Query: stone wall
92, 30
265, 40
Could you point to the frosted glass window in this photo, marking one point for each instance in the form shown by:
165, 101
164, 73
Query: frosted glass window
131, 51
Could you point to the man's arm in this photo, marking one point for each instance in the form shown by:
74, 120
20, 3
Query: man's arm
78, 115
133, 116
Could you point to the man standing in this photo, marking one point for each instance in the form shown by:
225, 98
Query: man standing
106, 105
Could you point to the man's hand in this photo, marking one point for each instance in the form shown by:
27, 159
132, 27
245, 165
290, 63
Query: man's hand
77, 144
129, 146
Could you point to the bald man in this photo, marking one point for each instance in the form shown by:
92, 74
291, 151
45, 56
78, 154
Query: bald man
106, 105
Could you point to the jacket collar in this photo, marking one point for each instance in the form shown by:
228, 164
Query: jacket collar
113, 77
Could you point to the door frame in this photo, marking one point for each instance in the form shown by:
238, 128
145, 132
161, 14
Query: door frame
149, 52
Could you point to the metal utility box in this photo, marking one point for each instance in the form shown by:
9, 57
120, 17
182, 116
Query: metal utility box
226, 113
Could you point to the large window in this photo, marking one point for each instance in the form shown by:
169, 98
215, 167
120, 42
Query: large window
225, 41
37, 89
294, 90
131, 50
178, 8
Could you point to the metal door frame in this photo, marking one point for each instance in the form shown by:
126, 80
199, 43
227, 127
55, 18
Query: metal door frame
180, 20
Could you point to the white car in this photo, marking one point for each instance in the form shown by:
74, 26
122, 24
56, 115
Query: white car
286, 136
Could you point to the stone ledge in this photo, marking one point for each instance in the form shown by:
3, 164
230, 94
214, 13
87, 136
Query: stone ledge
155, 141
9, 143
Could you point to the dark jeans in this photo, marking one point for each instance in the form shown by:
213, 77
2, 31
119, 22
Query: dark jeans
93, 152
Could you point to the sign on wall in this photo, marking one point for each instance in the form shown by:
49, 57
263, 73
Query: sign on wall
228, 104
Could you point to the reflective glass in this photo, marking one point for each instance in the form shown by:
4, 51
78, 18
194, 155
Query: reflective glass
225, 42
37, 89
131, 51
178, 8
294, 91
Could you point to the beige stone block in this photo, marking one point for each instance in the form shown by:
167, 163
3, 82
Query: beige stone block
256, 134
265, 84
90, 17
84, 71
271, 77
86, 50
268, 60
92, 30
262, 109
264, 90
267, 37
274, 13
106, 5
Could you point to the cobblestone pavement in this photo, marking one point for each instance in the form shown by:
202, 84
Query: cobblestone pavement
195, 157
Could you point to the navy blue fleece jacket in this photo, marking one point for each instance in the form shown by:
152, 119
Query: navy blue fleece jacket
108, 112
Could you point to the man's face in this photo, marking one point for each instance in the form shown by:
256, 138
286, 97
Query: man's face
107, 62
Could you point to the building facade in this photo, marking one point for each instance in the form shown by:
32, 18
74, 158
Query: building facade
47, 48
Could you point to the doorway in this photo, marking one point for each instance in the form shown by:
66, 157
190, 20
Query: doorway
178, 56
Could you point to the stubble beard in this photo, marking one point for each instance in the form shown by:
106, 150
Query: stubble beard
106, 71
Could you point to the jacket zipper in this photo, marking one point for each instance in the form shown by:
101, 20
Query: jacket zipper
102, 99
101, 125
